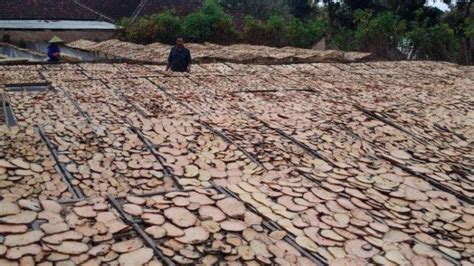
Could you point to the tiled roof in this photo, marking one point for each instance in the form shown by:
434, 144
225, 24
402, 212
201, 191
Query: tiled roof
45, 9
89, 9
115, 9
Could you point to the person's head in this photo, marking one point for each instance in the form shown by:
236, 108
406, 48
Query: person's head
56, 41
180, 42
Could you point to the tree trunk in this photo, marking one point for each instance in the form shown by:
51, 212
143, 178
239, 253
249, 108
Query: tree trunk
468, 9
331, 18
467, 40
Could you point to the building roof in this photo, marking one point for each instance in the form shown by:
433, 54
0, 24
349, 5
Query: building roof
115, 9
56, 25
45, 10
90, 9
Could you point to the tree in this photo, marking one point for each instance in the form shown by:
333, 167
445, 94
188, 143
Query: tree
379, 33
264, 32
163, 27
389, 28
435, 43
210, 23
304, 34
168, 27
142, 31
301, 8
259, 9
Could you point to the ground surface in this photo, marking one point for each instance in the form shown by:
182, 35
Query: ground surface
301, 164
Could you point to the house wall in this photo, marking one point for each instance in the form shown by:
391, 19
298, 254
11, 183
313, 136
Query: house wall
46, 35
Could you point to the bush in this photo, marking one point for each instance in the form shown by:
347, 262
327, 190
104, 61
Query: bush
343, 39
163, 27
260, 9
301, 8
168, 27
275, 28
469, 28
197, 27
380, 34
304, 34
142, 31
279, 32
435, 43
389, 29
254, 30
264, 32
210, 23
317, 29
297, 34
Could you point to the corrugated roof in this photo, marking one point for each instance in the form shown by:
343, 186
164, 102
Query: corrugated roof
56, 25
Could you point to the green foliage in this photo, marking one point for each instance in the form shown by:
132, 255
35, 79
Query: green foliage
254, 30
304, 33
317, 28
260, 9
380, 33
301, 8
210, 23
297, 34
469, 28
142, 31
435, 43
168, 27
397, 29
163, 27
276, 31
124, 22
270, 32
389, 29
197, 27
343, 39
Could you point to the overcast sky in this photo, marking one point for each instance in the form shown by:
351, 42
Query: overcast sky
439, 5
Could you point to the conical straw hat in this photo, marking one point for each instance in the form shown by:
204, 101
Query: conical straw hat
55, 39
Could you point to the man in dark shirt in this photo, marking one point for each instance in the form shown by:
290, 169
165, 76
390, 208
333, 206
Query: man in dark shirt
179, 59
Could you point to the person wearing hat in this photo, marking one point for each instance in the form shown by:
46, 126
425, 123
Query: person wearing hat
54, 54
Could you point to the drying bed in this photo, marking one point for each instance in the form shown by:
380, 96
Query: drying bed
327, 163
158, 52
341, 224
87, 232
27, 167
100, 163
196, 154
208, 226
